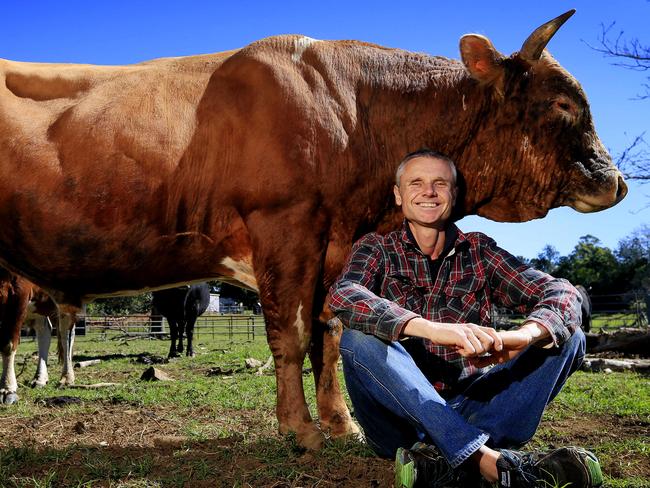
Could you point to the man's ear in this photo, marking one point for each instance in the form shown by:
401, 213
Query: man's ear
398, 196
482, 60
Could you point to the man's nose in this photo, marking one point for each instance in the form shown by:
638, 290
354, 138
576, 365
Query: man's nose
430, 189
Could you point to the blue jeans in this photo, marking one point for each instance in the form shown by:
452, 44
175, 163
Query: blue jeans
396, 404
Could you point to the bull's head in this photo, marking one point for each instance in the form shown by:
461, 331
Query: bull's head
540, 129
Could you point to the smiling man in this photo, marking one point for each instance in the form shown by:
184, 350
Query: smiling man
432, 382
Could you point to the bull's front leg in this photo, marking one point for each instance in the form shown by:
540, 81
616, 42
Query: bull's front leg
43, 328
286, 270
333, 412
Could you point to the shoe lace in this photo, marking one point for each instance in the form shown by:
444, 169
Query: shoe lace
526, 470
436, 471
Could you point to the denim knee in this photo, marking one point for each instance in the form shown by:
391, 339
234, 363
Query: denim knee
576, 346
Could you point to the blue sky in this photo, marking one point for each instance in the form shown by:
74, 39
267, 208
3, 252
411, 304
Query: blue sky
121, 32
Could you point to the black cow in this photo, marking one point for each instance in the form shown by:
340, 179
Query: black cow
181, 307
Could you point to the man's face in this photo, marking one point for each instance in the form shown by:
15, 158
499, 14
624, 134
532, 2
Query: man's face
426, 192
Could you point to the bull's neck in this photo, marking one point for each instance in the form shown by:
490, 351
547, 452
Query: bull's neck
416, 101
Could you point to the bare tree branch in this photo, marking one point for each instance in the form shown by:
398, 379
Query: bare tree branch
634, 160
631, 54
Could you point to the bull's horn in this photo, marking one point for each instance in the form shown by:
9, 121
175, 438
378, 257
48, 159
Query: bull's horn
537, 41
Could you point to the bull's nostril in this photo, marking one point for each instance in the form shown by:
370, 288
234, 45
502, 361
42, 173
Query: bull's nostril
622, 189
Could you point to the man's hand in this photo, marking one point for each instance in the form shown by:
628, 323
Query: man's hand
469, 340
514, 342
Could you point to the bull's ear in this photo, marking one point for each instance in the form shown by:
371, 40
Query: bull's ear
481, 59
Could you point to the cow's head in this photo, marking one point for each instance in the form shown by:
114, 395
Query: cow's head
540, 131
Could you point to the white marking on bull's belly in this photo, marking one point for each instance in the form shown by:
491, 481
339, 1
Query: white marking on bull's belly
300, 45
242, 272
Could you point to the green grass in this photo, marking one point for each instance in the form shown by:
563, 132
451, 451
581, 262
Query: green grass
223, 428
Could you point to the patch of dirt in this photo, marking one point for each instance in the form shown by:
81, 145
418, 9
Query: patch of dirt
125, 443
122, 442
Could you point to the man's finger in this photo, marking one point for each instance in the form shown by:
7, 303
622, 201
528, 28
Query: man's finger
486, 339
467, 349
497, 345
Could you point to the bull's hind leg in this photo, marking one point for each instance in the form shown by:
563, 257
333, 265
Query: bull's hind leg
286, 269
66, 333
15, 310
8, 383
43, 328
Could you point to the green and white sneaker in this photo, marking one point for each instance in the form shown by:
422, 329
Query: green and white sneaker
570, 467
424, 466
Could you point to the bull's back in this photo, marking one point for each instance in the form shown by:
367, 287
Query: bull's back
124, 178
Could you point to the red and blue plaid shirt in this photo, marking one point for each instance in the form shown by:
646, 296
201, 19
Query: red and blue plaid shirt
388, 281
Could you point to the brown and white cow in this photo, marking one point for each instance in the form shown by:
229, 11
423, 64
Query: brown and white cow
263, 165
24, 304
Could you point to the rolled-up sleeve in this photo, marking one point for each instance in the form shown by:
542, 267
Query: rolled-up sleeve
552, 302
354, 296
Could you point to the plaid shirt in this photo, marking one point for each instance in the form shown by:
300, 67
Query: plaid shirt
387, 282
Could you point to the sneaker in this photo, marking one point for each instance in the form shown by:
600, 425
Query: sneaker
424, 466
573, 465
570, 467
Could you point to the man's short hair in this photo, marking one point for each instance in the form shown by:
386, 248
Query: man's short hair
425, 153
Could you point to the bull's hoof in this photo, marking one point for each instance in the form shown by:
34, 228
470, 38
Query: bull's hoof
38, 383
342, 429
191, 354
311, 439
66, 381
173, 355
8, 397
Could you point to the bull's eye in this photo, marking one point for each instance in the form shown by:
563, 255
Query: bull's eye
565, 107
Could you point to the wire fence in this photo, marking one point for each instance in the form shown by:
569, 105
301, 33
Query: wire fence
613, 311
230, 327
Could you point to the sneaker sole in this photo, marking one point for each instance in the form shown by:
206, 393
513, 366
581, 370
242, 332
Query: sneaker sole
404, 469
596, 475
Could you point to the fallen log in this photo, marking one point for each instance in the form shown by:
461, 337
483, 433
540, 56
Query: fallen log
626, 340
85, 364
94, 386
596, 364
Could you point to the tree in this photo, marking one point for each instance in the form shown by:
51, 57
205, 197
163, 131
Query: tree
547, 260
137, 304
592, 265
630, 53
633, 254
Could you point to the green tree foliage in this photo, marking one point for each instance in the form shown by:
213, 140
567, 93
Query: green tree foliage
127, 305
633, 254
590, 264
547, 260
598, 268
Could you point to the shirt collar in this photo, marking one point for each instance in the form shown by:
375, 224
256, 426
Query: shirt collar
455, 240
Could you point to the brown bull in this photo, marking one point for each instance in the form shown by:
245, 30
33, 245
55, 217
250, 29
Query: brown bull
262, 165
